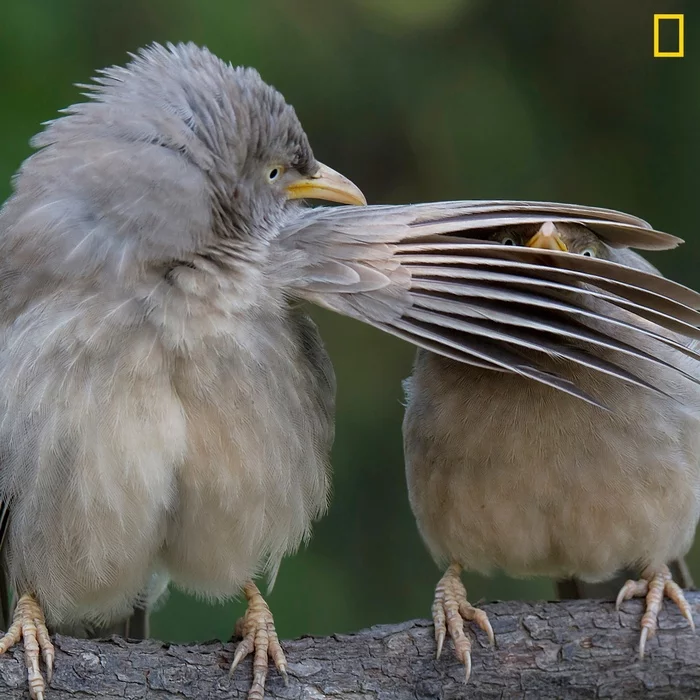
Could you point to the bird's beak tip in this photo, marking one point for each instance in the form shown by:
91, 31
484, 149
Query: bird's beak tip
547, 238
326, 184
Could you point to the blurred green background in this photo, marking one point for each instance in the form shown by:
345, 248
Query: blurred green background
413, 100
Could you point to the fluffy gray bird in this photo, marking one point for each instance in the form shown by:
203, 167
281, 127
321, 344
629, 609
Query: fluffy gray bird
507, 474
166, 408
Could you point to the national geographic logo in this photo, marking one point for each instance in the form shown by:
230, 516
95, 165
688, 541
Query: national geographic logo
673, 36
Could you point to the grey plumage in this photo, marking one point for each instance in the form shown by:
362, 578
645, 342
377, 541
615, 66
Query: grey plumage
166, 410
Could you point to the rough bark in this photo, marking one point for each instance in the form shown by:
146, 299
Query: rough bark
572, 649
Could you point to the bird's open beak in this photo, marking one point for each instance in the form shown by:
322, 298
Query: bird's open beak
547, 238
326, 184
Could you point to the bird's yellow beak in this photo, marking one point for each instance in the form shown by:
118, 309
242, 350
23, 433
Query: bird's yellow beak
326, 184
547, 238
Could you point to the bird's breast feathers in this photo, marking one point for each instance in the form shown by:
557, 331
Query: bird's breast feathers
534, 482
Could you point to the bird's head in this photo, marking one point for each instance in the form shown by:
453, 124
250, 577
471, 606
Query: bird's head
178, 150
564, 236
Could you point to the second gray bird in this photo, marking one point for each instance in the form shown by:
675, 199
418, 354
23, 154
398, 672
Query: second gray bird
505, 474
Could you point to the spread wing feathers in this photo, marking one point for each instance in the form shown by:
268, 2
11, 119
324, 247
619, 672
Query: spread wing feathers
489, 316
497, 286
424, 273
480, 217
555, 265
481, 352
526, 340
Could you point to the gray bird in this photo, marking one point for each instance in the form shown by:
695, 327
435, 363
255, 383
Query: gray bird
166, 407
506, 474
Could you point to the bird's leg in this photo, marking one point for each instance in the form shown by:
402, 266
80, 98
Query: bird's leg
654, 584
257, 628
29, 624
450, 609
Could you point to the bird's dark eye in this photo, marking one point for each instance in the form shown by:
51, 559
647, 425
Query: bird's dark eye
507, 240
588, 252
274, 173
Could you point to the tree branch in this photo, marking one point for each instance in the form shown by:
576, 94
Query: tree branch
572, 649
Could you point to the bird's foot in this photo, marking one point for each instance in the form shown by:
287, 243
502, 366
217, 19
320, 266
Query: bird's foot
257, 627
29, 624
450, 609
654, 585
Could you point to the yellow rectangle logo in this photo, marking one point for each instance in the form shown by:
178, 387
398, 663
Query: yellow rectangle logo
681, 31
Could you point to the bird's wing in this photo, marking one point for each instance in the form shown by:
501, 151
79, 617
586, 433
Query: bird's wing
479, 218
617, 229
424, 273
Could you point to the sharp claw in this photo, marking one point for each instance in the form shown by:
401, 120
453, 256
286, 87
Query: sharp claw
468, 667
643, 642
440, 642
481, 620
48, 656
241, 652
630, 590
285, 677
675, 593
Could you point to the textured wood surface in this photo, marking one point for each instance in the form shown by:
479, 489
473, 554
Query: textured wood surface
572, 649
